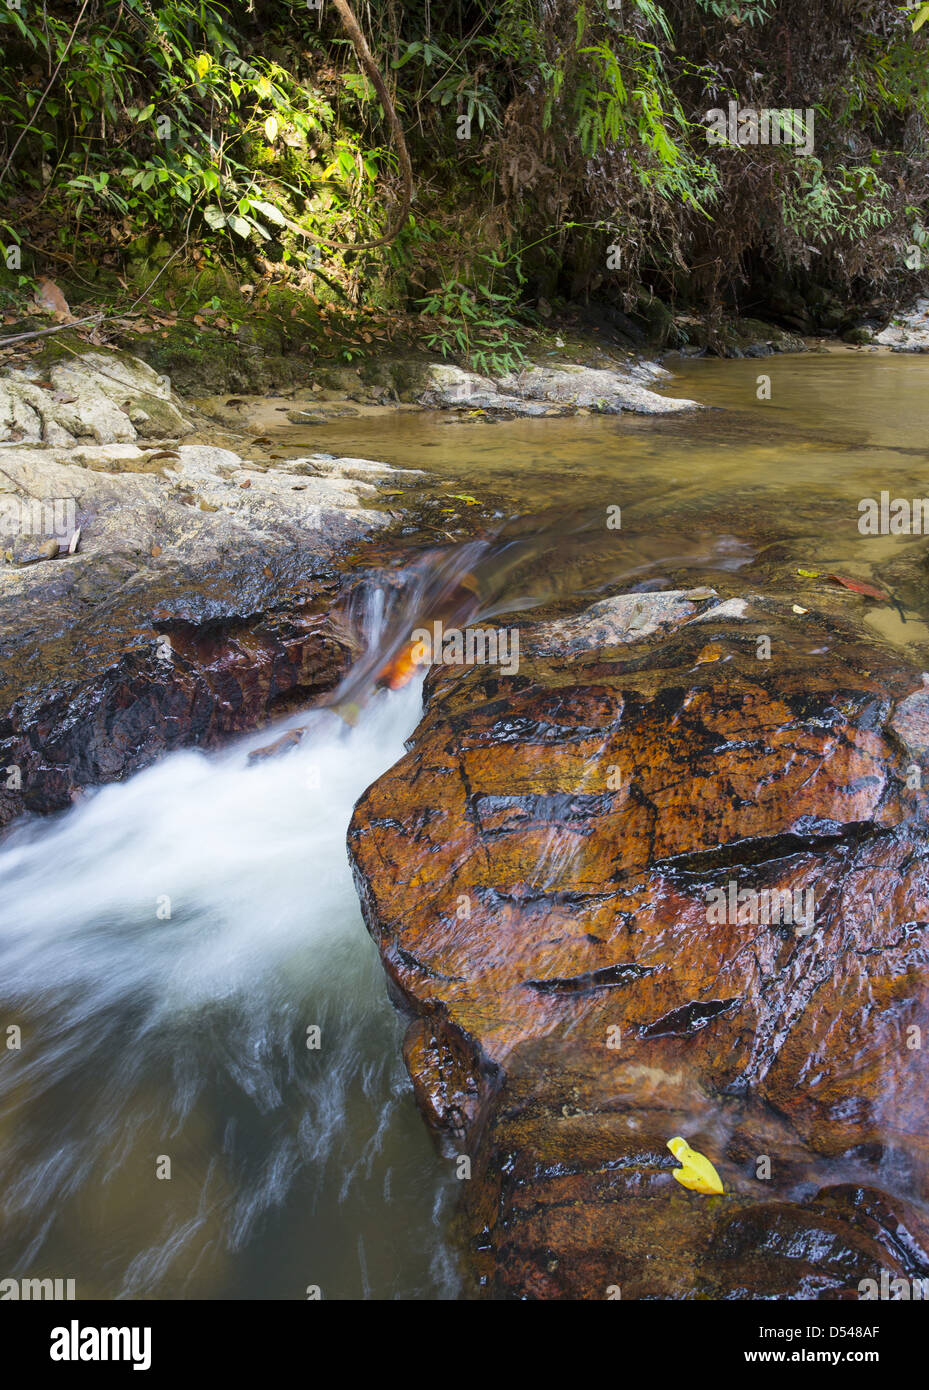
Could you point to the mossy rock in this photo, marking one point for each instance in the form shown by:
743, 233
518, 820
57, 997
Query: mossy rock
406, 377
215, 364
658, 319
858, 336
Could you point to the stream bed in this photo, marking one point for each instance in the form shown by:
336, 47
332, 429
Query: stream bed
169, 1127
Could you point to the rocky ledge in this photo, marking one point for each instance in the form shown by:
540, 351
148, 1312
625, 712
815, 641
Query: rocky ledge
571, 876
155, 594
559, 390
908, 331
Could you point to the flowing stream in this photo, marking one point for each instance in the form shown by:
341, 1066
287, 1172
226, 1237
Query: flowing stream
174, 947
166, 948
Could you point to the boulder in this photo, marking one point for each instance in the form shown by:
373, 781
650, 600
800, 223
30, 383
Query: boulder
111, 397
659, 886
907, 331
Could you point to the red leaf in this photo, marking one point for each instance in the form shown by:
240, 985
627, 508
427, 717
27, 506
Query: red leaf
858, 586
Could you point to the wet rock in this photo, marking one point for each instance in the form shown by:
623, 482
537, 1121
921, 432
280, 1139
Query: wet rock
280, 745
738, 337
910, 722
644, 891
191, 610
613, 620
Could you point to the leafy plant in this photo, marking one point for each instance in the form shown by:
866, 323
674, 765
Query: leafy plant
748, 12
477, 324
852, 203
160, 119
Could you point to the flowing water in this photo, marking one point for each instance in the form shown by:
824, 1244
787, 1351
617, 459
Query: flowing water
166, 947
208, 1099
785, 474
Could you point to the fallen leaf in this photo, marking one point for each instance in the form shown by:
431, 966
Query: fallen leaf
696, 1171
797, 609
858, 586
247, 483
810, 574
156, 551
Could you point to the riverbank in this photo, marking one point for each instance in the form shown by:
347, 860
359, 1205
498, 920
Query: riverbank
204, 544
167, 582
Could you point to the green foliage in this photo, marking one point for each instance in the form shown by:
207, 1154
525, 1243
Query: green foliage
626, 100
476, 322
249, 130
740, 11
159, 119
850, 204
452, 84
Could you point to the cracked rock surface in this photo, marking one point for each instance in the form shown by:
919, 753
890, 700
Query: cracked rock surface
109, 397
193, 608
537, 872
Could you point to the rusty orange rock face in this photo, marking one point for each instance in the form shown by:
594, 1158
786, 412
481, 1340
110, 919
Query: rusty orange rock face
637, 893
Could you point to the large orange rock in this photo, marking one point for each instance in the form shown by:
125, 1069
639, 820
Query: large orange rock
553, 876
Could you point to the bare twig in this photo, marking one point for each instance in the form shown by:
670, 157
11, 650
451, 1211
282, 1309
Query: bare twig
44, 332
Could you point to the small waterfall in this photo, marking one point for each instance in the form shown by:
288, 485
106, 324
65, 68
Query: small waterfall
168, 948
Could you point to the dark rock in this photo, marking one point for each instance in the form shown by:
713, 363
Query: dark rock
191, 611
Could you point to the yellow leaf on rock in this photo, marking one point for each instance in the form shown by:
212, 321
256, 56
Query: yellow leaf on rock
696, 1172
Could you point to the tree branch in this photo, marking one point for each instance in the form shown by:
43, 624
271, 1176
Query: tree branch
406, 169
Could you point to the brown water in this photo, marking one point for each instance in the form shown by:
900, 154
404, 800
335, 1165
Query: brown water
147, 1036
785, 474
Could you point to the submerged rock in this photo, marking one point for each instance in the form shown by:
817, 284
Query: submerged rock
665, 888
